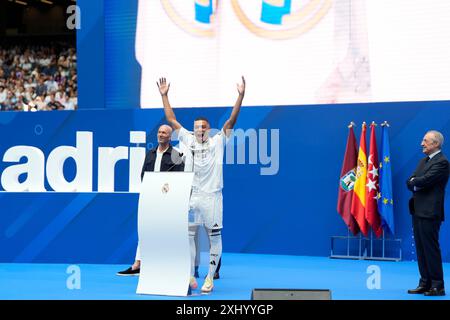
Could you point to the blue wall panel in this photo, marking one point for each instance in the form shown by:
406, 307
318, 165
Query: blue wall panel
292, 212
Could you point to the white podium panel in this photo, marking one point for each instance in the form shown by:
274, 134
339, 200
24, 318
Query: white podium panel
163, 233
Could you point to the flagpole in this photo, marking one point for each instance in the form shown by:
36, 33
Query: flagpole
348, 243
371, 231
371, 243
360, 239
384, 124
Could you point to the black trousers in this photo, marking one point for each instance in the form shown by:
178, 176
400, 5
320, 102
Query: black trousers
426, 237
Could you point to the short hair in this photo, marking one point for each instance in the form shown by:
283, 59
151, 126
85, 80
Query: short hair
201, 119
438, 137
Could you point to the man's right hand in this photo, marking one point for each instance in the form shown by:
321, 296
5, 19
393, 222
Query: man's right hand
163, 86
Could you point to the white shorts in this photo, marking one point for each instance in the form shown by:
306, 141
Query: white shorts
206, 209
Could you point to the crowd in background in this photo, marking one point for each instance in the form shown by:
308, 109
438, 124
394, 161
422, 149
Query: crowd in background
38, 77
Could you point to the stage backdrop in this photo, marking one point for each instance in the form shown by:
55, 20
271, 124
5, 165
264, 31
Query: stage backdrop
280, 195
281, 200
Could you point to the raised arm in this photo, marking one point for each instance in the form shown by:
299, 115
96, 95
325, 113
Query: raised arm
168, 111
229, 124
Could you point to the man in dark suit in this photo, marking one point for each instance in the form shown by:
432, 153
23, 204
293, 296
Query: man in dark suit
427, 208
162, 158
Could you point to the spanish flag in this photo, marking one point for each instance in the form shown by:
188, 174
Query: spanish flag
359, 190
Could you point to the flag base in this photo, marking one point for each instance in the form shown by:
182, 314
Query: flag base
366, 248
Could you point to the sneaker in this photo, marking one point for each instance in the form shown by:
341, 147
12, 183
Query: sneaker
129, 272
193, 283
208, 285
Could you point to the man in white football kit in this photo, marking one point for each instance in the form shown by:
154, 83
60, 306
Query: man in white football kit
205, 157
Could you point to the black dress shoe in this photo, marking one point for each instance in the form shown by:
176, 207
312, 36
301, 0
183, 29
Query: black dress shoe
434, 292
129, 272
418, 290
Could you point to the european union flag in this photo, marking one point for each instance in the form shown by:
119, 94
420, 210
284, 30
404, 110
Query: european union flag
385, 197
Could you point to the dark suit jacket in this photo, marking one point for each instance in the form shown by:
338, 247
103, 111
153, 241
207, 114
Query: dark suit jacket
171, 161
430, 179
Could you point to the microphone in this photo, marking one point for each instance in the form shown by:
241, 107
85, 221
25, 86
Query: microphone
177, 162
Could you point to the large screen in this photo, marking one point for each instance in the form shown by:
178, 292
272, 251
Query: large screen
293, 52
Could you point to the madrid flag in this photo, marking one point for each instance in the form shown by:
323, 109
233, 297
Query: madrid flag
372, 186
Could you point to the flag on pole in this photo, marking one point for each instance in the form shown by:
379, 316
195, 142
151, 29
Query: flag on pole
347, 182
359, 190
372, 187
386, 198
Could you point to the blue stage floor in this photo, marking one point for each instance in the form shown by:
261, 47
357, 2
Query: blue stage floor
347, 279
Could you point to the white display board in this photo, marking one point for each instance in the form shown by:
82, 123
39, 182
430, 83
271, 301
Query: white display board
163, 233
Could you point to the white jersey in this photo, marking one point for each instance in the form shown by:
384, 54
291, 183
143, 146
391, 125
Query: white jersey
205, 159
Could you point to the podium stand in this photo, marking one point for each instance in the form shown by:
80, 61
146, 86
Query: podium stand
163, 233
